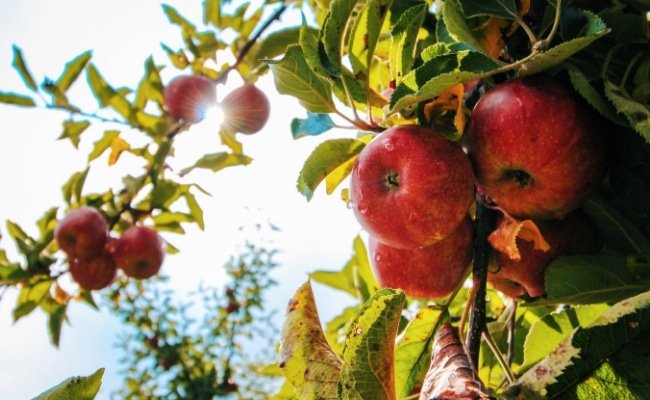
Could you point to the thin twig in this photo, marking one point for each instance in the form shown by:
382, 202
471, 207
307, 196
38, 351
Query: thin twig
497, 354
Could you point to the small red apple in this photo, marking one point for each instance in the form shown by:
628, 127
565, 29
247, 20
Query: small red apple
82, 233
93, 274
246, 109
537, 149
139, 252
410, 187
433, 271
573, 235
188, 97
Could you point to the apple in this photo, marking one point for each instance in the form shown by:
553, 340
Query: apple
537, 149
93, 274
82, 233
573, 235
410, 187
139, 252
433, 271
188, 97
246, 109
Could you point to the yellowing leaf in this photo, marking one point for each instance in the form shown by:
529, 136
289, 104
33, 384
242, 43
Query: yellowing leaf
118, 146
451, 100
490, 37
308, 362
504, 237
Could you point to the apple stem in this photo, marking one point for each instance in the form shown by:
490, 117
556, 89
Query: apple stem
510, 376
485, 220
511, 332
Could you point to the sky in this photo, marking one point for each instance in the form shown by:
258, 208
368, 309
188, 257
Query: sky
34, 165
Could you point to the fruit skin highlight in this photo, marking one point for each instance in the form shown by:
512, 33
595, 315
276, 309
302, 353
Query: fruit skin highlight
246, 109
188, 97
432, 272
82, 233
537, 149
139, 252
573, 235
410, 187
93, 274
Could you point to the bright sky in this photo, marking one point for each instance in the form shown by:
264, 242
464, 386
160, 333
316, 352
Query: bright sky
122, 33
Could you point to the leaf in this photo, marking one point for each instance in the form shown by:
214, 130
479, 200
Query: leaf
335, 328
413, 349
118, 146
582, 85
368, 354
72, 130
276, 43
19, 65
164, 194
72, 71
364, 36
31, 297
55, 319
333, 32
451, 375
404, 39
313, 125
229, 138
78, 388
293, 76
637, 114
176, 18
594, 29
325, 158
150, 87
307, 360
103, 144
498, 8
438, 74
618, 232
73, 188
218, 161
212, 12
590, 280
573, 360
504, 237
456, 26
195, 210
548, 332
106, 95
16, 99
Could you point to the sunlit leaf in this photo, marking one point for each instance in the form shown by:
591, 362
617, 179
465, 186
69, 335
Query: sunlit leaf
218, 161
31, 297
21, 67
313, 125
404, 39
72, 70
73, 188
176, 18
364, 36
195, 210
78, 388
212, 12
150, 87
456, 26
332, 31
16, 99
118, 146
72, 130
103, 144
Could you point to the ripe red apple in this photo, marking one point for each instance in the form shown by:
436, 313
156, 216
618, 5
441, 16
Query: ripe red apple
82, 233
432, 271
246, 109
410, 187
537, 149
93, 274
188, 97
573, 235
139, 252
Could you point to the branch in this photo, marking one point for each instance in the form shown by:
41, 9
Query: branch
485, 219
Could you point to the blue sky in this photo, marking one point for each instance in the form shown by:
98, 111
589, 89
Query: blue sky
122, 34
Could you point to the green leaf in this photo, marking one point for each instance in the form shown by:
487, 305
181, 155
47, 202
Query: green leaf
72, 71
499, 8
31, 297
276, 43
178, 58
587, 348
77, 388
593, 96
594, 29
212, 12
19, 65
218, 161
72, 130
618, 232
102, 144
176, 18
439, 74
456, 26
590, 280
335, 328
308, 362
195, 210
637, 114
368, 354
16, 99
150, 87
164, 194
55, 319
73, 188
548, 332
413, 352
365, 35
106, 95
294, 77
313, 125
404, 39
333, 31
325, 158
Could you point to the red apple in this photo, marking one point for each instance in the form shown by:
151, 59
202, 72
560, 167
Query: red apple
246, 109
139, 252
93, 274
82, 233
188, 97
537, 149
433, 271
410, 187
573, 235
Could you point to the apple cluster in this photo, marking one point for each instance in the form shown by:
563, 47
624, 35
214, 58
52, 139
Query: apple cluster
188, 98
533, 150
94, 256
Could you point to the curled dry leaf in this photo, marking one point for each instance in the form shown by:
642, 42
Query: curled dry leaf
504, 237
451, 375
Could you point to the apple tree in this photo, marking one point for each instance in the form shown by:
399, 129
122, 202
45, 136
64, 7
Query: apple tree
497, 161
